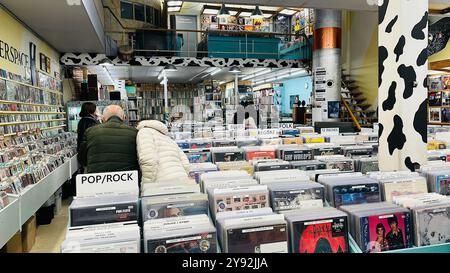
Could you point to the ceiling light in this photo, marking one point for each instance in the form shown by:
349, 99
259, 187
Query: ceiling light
234, 70
257, 74
271, 79
233, 12
170, 68
257, 13
269, 8
223, 12
173, 9
174, 3
267, 15
222, 82
288, 12
210, 11
301, 72
105, 62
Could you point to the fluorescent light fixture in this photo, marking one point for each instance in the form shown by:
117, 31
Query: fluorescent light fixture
161, 74
216, 71
222, 82
173, 9
245, 14
298, 73
170, 68
263, 8
270, 79
233, 12
106, 62
257, 74
210, 11
288, 12
436, 72
174, 3
267, 15
234, 70
241, 6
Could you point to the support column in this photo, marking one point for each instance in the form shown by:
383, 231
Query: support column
327, 65
402, 84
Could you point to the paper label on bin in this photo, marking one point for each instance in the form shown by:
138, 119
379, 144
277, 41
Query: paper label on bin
98, 184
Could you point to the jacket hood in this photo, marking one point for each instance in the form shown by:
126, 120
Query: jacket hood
154, 124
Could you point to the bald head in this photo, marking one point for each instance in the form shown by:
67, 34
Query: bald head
113, 110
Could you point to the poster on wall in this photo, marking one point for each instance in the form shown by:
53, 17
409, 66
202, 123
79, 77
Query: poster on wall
435, 115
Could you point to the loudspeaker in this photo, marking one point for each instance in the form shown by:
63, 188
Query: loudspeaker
84, 91
115, 95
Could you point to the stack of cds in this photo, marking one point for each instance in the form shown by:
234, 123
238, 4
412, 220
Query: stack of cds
293, 175
438, 179
379, 227
108, 238
238, 198
257, 231
227, 154
188, 234
175, 205
350, 190
296, 195
315, 174
271, 165
270, 141
196, 169
337, 162
198, 156
259, 153
323, 230
308, 165
4, 199
399, 183
357, 150
235, 166
294, 153
183, 144
322, 149
103, 209
241, 142
200, 144
431, 215
366, 164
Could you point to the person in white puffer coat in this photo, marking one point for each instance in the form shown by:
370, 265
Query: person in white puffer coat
160, 158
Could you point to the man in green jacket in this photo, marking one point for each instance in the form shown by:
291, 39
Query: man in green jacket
110, 146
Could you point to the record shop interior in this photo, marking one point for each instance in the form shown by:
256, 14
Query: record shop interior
237, 126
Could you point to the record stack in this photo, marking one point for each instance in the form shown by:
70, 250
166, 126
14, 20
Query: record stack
438, 178
293, 175
236, 166
431, 217
378, 227
394, 184
196, 169
296, 195
350, 189
252, 231
227, 154
270, 165
338, 162
322, 230
259, 153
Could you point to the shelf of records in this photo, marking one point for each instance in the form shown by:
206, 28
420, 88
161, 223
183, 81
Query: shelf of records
30, 127
13, 92
45, 82
281, 211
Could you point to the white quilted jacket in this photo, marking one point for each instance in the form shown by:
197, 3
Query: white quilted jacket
159, 156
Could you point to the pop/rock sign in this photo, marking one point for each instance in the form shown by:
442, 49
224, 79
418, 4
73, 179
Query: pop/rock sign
95, 184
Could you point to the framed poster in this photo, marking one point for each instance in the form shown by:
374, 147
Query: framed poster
333, 109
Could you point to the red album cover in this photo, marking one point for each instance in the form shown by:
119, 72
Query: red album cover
255, 155
323, 236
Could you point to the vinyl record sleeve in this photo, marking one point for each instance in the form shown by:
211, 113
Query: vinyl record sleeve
432, 225
296, 198
193, 243
356, 194
320, 236
262, 239
400, 187
377, 234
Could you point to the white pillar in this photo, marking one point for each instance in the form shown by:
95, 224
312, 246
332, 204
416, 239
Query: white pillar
402, 93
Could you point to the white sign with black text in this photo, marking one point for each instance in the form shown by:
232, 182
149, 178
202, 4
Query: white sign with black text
329, 131
286, 125
96, 184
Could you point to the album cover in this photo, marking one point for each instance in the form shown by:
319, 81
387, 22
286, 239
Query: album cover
442, 184
445, 98
282, 199
308, 165
342, 165
316, 139
292, 140
295, 154
290, 132
321, 236
239, 198
357, 151
366, 166
200, 144
96, 210
432, 225
3, 95
183, 144
258, 154
174, 206
224, 143
435, 83
356, 194
386, 232
192, 243
272, 166
227, 156
445, 115
435, 98
198, 156
445, 81
261, 239
320, 151
398, 187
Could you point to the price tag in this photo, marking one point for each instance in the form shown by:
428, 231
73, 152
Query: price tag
329, 131
97, 184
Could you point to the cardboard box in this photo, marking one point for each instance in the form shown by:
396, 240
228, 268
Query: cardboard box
14, 244
29, 234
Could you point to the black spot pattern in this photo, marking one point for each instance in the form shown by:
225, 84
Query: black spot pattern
420, 120
74, 60
408, 74
389, 103
380, 130
399, 47
382, 56
396, 139
135, 62
425, 82
423, 57
412, 166
391, 24
382, 11
417, 31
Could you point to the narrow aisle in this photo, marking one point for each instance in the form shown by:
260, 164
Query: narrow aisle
49, 237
